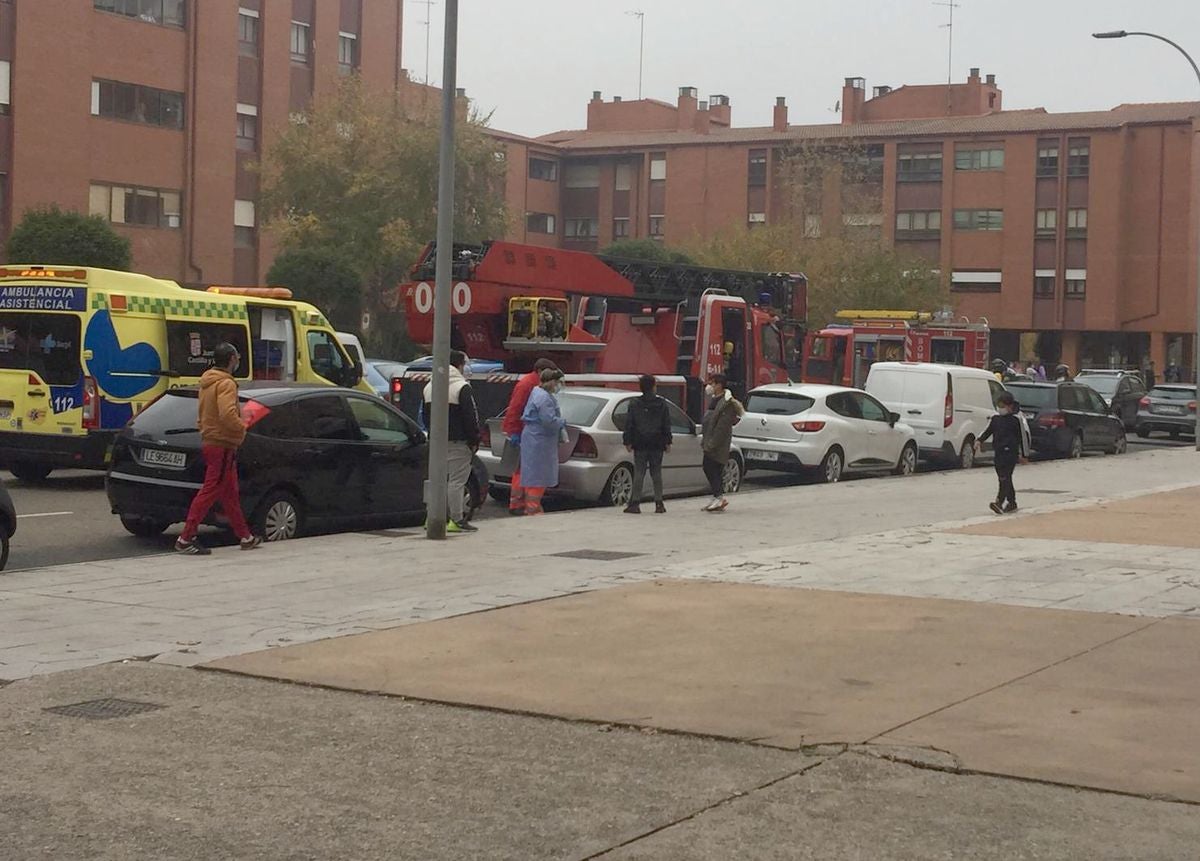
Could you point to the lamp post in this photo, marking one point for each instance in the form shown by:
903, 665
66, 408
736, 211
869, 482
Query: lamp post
1195, 202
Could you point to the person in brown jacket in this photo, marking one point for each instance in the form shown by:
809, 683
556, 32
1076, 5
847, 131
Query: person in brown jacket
221, 434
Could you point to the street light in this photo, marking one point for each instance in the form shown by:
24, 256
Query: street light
1195, 203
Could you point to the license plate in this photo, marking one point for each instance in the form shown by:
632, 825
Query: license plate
1171, 410
169, 459
762, 455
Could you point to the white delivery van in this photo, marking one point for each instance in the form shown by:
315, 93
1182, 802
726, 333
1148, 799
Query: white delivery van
947, 405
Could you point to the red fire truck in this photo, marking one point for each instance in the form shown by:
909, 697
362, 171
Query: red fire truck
843, 352
603, 319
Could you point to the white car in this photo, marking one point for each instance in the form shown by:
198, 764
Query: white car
832, 429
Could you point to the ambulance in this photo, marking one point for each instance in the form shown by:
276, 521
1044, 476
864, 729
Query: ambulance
82, 350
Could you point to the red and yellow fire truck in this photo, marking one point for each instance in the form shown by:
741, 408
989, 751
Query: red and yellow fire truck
842, 353
603, 319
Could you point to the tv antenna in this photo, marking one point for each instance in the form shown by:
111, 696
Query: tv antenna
949, 27
428, 4
641, 16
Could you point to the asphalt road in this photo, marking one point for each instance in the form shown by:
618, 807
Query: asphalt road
67, 519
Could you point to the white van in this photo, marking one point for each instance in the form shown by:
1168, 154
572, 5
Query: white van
947, 405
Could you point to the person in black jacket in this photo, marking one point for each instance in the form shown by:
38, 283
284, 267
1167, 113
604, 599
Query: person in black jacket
1008, 447
462, 432
648, 436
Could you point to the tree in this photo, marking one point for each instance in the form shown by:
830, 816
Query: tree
645, 249
322, 276
53, 236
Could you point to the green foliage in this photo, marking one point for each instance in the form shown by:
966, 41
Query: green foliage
645, 249
52, 236
322, 276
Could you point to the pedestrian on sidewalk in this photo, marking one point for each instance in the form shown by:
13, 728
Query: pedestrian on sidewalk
648, 435
540, 437
462, 434
512, 426
724, 411
1010, 445
222, 432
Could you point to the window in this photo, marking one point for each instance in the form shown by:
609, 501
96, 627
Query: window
812, 227
620, 228
919, 221
377, 423
758, 168
539, 222
757, 218
1047, 159
147, 207
1078, 158
169, 13
581, 228
347, 53
247, 127
772, 345
543, 169
243, 224
325, 416
247, 32
978, 219
46, 344
657, 225
658, 166
582, 176
299, 42
978, 159
1076, 288
190, 345
137, 104
1043, 286
325, 357
871, 409
623, 177
778, 403
1047, 222
5, 87
919, 167
975, 281
1076, 222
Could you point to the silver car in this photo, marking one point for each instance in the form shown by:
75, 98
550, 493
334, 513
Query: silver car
594, 465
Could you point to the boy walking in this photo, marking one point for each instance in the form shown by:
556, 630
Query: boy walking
648, 435
724, 411
1010, 445
221, 435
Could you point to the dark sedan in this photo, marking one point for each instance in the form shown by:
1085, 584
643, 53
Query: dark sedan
315, 457
8, 524
1067, 419
1170, 408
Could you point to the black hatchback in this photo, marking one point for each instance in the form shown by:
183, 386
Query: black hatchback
314, 458
1067, 419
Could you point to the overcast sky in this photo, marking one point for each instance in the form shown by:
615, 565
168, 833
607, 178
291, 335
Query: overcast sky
535, 62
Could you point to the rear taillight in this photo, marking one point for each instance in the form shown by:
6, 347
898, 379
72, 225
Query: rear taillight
585, 446
948, 415
253, 412
1052, 420
1192, 406
485, 436
808, 427
1144, 402
91, 404
396, 388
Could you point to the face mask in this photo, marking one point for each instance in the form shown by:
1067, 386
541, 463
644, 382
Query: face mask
709, 390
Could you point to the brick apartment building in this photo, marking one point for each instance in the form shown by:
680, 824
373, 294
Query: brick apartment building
149, 111
1080, 227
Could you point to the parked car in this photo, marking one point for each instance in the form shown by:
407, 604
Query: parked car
594, 465
474, 366
1121, 391
1067, 419
831, 429
947, 406
1170, 407
314, 457
8, 524
378, 382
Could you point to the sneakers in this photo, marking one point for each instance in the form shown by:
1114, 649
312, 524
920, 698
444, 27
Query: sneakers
463, 526
633, 509
192, 547
452, 527
251, 543
659, 508
1010, 508
995, 507
719, 503
712, 505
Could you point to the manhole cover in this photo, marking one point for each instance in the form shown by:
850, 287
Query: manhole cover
599, 555
390, 533
104, 709
1043, 491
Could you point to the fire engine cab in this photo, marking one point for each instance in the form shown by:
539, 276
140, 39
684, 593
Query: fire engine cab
842, 353
603, 319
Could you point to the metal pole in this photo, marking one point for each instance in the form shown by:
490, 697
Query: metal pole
1194, 199
641, 48
435, 521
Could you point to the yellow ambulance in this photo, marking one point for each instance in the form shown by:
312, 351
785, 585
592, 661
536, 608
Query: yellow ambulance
82, 350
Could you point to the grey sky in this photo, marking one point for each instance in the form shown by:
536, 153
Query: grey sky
536, 62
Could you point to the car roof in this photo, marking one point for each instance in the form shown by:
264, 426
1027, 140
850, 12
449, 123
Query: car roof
599, 392
267, 389
813, 390
1178, 387
1036, 384
935, 367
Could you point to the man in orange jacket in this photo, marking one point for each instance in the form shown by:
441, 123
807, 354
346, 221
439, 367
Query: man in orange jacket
221, 434
513, 425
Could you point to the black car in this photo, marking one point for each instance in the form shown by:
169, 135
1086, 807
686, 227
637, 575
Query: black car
1067, 419
8, 524
1121, 392
315, 457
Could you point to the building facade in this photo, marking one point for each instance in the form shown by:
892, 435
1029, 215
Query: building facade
152, 112
1073, 234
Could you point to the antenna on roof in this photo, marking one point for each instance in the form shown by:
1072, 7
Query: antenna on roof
428, 4
951, 5
641, 16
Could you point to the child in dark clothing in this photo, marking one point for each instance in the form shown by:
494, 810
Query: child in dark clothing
1009, 447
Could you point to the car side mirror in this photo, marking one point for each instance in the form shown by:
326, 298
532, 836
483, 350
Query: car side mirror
893, 418
352, 374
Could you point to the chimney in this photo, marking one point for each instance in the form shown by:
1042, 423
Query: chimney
616, 99
460, 93
854, 95
881, 90
779, 122
720, 113
686, 116
596, 97
973, 78
703, 119
991, 80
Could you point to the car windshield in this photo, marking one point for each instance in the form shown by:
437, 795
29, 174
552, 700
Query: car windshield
176, 412
375, 379
778, 403
1104, 384
580, 410
1035, 397
387, 369
1173, 393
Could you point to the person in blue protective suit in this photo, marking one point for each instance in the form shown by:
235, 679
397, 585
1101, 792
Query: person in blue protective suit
543, 427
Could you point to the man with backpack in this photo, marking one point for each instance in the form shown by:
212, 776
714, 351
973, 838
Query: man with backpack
648, 435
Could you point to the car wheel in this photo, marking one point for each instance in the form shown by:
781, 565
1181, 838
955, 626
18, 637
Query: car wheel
966, 457
907, 464
832, 465
279, 517
143, 527
31, 472
731, 475
1120, 444
3, 545
619, 490
1076, 450
1143, 433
